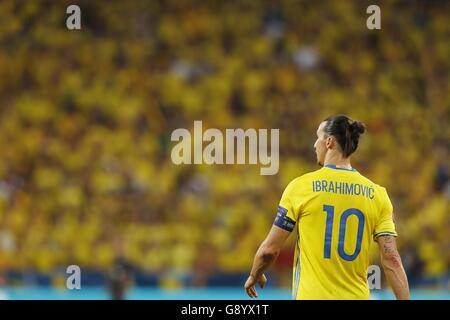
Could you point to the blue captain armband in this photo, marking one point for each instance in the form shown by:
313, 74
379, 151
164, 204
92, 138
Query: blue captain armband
283, 221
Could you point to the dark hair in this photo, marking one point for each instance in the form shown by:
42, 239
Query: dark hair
346, 131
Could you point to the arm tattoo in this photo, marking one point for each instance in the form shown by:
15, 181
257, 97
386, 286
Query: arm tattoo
388, 249
388, 245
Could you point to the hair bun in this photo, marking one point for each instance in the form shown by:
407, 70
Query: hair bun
357, 127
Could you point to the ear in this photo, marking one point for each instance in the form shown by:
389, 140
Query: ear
329, 142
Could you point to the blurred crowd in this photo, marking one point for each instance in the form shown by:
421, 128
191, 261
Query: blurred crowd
86, 116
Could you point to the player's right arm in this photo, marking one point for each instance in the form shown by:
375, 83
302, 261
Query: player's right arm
393, 267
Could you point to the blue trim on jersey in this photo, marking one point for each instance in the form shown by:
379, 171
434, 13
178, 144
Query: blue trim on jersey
297, 270
333, 166
385, 233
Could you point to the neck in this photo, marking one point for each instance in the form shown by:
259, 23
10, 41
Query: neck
337, 159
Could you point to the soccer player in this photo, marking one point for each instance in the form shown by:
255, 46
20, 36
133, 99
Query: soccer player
336, 212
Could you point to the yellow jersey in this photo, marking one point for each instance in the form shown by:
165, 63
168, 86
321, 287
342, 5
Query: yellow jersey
336, 212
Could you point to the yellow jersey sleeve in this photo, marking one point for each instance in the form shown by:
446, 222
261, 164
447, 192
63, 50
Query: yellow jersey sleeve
286, 214
385, 224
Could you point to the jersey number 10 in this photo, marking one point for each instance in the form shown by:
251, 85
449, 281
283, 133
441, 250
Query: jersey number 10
342, 227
